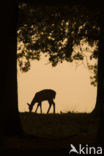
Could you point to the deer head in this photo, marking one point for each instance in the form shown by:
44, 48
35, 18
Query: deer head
29, 107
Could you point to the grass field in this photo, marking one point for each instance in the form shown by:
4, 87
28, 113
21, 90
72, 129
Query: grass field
55, 131
59, 125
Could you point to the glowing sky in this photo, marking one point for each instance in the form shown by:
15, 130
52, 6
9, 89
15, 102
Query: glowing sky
72, 86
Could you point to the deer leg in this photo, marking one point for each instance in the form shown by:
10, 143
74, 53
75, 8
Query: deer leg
36, 108
53, 106
49, 107
40, 108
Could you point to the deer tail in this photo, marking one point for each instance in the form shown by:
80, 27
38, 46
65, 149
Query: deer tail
54, 95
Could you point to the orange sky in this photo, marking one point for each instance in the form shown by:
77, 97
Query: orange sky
72, 86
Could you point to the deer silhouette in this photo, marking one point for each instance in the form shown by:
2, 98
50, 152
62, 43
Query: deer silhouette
46, 94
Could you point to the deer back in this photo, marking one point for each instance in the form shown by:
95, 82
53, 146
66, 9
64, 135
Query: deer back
46, 94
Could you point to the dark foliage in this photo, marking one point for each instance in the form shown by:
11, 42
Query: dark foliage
55, 31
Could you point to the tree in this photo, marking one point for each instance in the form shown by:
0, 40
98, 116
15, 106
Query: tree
56, 31
9, 115
100, 89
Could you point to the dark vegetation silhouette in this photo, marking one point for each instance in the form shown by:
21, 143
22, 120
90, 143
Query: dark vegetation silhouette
93, 31
43, 95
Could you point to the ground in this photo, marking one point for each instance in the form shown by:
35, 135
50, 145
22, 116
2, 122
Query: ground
54, 131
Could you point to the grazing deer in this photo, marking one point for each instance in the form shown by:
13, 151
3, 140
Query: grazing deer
46, 94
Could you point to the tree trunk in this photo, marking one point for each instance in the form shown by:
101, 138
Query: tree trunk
9, 114
100, 88
99, 108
